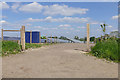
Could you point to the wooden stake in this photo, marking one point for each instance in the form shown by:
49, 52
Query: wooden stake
30, 36
39, 37
2, 34
46, 38
88, 36
54, 39
23, 37
51, 39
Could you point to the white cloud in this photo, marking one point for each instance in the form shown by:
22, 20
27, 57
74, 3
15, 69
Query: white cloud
32, 7
65, 25
52, 9
64, 19
2, 21
45, 28
81, 27
15, 6
109, 26
63, 10
4, 5
7, 24
116, 17
94, 22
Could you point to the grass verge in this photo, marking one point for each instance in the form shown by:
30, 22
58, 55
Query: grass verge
107, 49
10, 47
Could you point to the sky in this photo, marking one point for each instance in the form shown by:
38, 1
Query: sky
60, 18
61, 0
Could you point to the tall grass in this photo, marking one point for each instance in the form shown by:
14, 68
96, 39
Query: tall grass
0, 47
107, 49
29, 45
32, 45
9, 47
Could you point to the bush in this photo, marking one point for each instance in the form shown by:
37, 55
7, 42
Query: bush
9, 47
107, 49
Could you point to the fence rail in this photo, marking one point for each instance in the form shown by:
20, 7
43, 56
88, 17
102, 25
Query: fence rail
22, 32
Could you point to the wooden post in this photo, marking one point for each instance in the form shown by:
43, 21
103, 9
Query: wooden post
18, 42
2, 34
88, 36
46, 38
39, 37
95, 40
54, 39
23, 37
30, 36
51, 39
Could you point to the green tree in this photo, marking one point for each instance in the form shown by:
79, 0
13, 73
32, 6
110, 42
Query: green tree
92, 39
43, 37
85, 39
76, 37
82, 39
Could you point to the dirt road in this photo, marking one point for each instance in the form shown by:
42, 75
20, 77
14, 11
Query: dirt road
57, 61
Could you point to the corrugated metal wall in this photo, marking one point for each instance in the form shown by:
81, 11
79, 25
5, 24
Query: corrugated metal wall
35, 37
27, 37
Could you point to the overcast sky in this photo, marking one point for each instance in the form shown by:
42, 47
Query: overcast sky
60, 18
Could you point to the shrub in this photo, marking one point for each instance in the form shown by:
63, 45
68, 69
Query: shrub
107, 49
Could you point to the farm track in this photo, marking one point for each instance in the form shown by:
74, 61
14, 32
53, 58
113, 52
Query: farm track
65, 60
